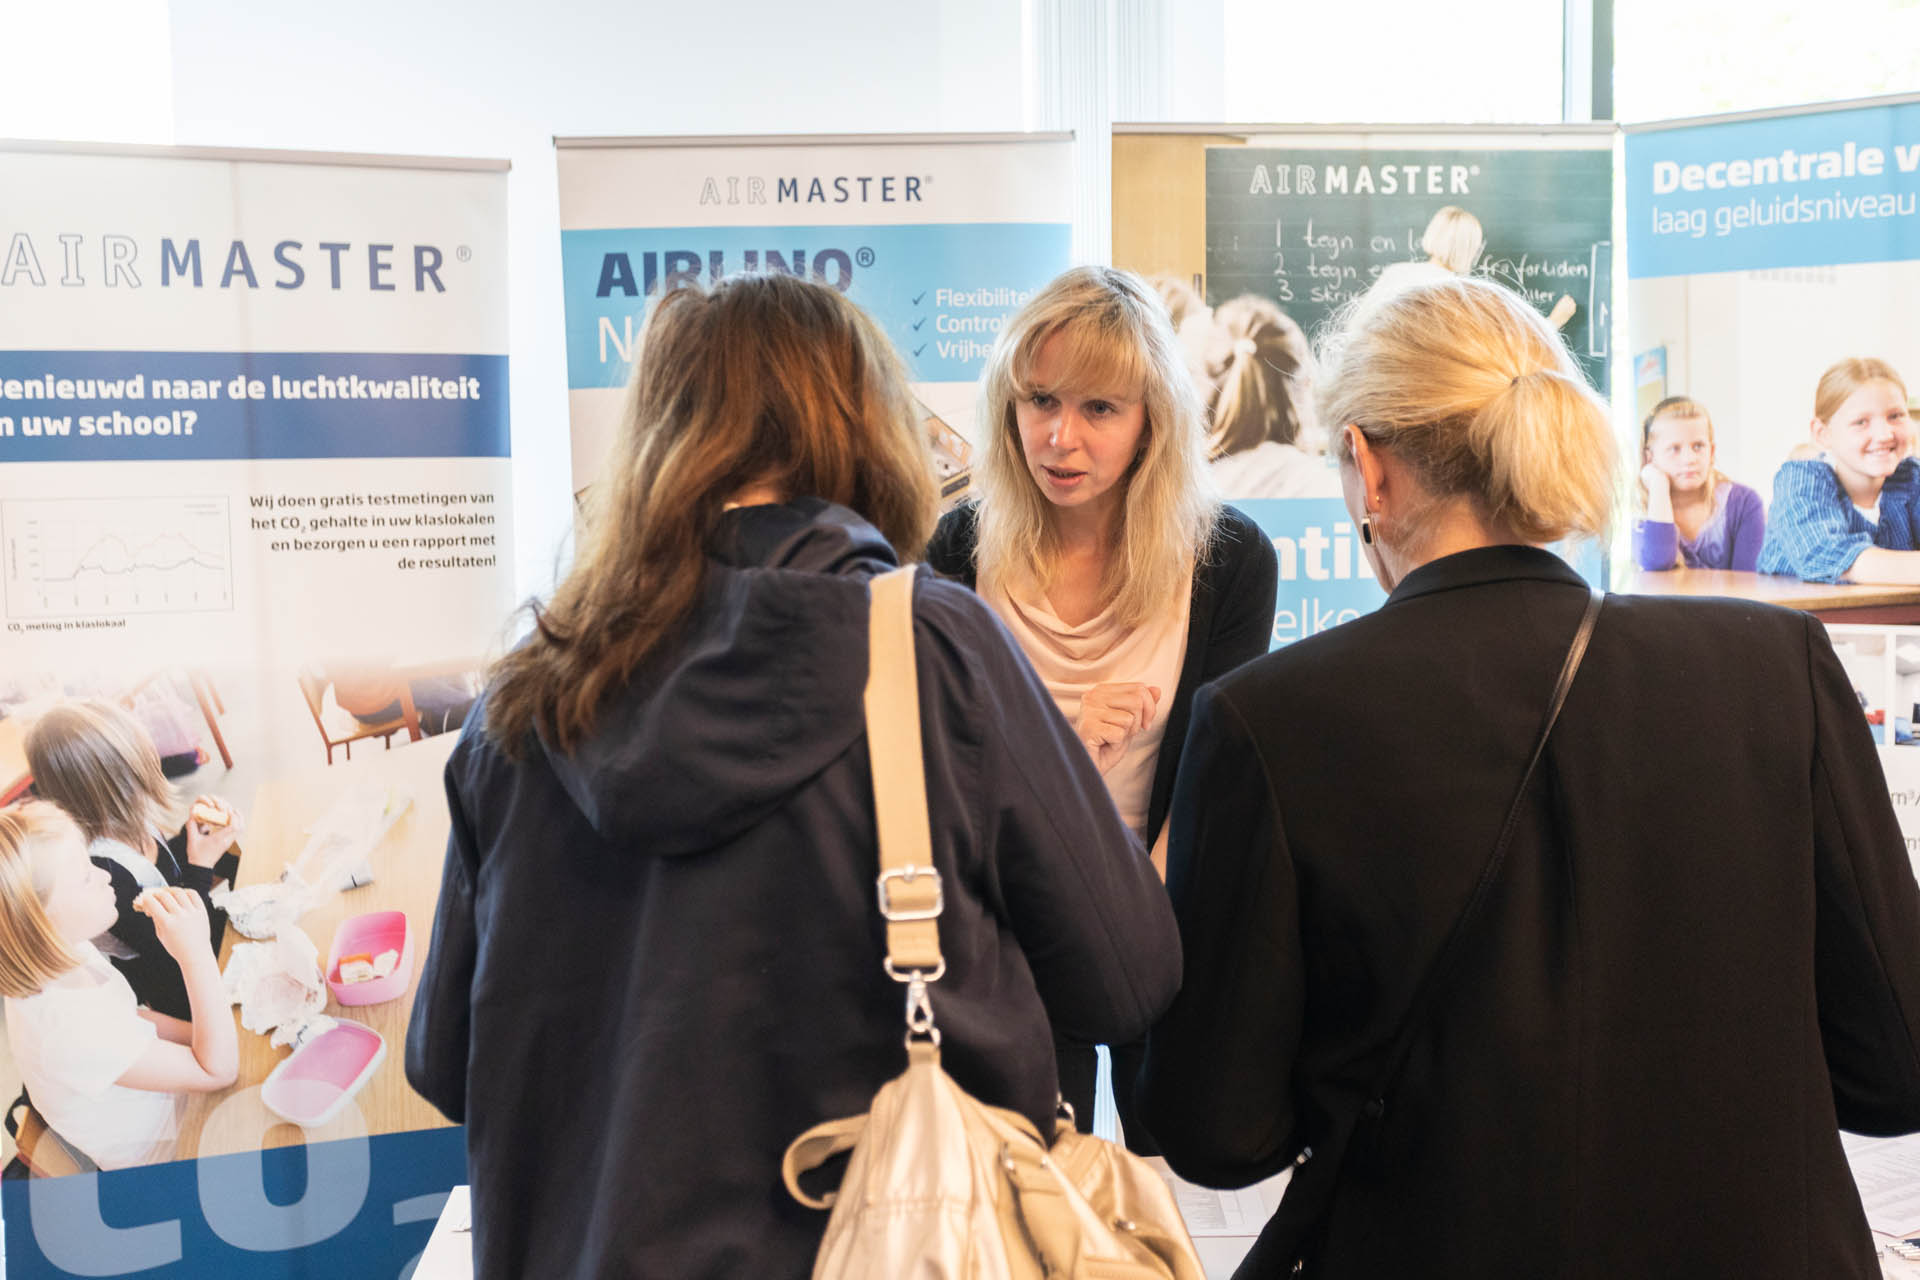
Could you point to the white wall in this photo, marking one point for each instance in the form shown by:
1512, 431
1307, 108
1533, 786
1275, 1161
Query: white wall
500, 78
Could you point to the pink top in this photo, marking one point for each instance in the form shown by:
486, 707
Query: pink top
1072, 659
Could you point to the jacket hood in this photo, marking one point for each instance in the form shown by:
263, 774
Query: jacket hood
760, 693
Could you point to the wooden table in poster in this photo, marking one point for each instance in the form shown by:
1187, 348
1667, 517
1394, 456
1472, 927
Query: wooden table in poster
1842, 602
406, 870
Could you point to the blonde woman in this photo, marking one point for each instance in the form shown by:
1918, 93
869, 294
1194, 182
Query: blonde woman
108, 1076
657, 957
98, 763
1699, 959
1260, 378
1098, 541
1853, 513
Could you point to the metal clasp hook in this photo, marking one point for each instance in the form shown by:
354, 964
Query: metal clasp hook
920, 1012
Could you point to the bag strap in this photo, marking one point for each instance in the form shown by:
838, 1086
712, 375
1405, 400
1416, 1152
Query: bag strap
909, 890
1448, 960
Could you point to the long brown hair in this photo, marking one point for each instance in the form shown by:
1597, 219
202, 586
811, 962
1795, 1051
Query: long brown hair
766, 379
98, 763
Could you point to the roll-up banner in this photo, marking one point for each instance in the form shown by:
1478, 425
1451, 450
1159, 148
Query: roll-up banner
940, 238
254, 520
1772, 260
1236, 223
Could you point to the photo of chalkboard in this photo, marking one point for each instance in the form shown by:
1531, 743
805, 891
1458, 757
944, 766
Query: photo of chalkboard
1312, 227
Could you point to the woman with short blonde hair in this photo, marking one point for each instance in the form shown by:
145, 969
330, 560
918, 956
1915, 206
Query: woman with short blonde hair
1096, 536
1498, 986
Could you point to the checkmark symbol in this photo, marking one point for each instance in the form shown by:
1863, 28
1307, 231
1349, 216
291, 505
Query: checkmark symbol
917, 350
916, 301
917, 323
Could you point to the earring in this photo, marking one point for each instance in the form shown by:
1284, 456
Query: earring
1366, 529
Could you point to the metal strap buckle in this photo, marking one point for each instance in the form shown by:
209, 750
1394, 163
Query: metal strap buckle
908, 874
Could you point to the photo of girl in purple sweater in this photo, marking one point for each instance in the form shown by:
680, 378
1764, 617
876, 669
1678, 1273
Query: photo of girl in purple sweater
1691, 515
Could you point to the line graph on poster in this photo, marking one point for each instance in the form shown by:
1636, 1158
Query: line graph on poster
75, 556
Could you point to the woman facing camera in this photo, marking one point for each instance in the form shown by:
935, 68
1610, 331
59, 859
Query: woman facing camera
1853, 513
658, 952
1097, 540
1698, 959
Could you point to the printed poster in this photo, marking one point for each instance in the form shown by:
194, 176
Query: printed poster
1774, 258
254, 520
940, 239
1300, 226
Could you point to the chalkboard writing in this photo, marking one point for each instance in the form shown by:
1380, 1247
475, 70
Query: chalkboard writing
1312, 228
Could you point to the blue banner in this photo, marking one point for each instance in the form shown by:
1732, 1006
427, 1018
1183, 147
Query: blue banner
167, 406
361, 1208
940, 291
1818, 189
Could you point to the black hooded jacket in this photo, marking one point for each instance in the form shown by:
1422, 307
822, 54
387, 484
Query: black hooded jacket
657, 959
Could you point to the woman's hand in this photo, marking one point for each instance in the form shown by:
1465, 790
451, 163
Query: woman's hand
179, 921
212, 827
1110, 714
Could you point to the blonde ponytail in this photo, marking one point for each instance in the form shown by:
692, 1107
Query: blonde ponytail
1544, 440
1470, 386
1259, 369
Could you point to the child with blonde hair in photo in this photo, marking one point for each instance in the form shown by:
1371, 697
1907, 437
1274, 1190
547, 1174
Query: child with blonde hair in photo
1853, 513
106, 1075
1691, 514
99, 765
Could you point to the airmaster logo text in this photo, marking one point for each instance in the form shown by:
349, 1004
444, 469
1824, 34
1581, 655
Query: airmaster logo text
68, 260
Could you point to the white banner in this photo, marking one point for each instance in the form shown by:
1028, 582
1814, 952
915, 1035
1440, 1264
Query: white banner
254, 501
940, 239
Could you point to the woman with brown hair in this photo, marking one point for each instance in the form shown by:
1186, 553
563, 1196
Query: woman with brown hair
657, 957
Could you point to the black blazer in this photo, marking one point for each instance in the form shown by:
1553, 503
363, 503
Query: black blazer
1701, 959
1230, 621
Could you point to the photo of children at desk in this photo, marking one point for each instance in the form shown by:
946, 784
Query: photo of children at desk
1853, 513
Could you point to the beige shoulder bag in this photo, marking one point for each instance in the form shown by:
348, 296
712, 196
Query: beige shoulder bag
940, 1184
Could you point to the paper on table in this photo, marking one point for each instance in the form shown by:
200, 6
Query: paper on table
1222, 1213
1887, 1171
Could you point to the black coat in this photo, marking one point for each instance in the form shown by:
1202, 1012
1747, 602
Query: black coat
1230, 621
1701, 959
657, 959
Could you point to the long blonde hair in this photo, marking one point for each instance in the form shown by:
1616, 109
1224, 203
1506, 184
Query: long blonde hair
99, 764
32, 952
1117, 341
766, 379
1262, 372
1470, 386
